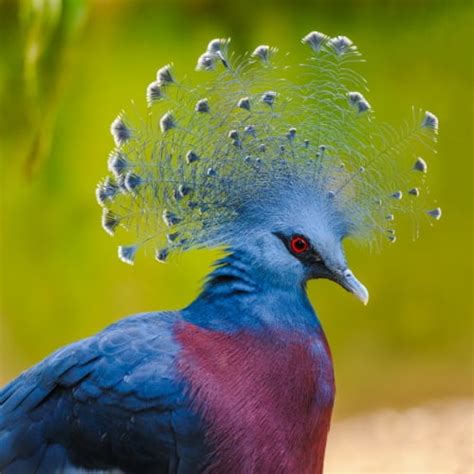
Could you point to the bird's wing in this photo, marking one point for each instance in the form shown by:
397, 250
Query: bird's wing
104, 399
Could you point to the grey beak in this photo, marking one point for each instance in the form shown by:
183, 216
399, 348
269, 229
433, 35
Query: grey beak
352, 284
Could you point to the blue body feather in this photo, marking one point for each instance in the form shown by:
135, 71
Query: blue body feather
107, 402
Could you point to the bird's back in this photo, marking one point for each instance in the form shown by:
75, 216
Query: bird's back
108, 402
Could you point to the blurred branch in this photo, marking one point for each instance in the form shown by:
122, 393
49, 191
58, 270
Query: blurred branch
50, 29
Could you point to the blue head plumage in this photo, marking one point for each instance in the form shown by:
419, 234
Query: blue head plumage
266, 150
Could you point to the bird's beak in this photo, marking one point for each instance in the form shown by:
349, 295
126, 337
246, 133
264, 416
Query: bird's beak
349, 282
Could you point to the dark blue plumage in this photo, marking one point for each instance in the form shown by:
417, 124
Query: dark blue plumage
108, 401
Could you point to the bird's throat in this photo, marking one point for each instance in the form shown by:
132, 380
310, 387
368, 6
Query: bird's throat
236, 298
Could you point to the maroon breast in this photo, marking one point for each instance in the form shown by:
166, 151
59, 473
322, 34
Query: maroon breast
266, 398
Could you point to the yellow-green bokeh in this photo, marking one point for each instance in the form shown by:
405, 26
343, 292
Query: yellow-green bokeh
61, 279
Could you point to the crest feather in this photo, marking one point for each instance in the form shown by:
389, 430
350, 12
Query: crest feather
184, 174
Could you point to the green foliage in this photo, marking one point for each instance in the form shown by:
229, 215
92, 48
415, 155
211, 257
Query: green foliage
48, 30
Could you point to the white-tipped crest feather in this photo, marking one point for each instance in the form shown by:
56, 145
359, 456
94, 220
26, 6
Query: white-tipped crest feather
251, 133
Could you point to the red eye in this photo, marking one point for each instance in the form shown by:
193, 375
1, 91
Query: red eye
299, 244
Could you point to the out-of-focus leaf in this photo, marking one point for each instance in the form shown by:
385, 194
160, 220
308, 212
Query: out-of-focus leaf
50, 29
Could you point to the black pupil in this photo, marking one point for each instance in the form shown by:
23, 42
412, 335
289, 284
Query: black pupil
299, 244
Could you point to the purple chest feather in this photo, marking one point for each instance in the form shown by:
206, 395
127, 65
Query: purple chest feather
266, 399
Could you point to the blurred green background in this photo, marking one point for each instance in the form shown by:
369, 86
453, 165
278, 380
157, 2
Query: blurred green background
68, 67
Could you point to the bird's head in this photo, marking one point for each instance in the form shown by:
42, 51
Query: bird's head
294, 236
281, 161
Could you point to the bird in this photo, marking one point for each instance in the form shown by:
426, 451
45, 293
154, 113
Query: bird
276, 163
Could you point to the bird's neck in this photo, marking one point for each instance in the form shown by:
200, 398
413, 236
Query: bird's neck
237, 297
